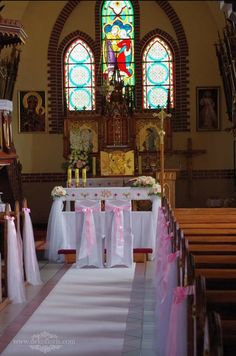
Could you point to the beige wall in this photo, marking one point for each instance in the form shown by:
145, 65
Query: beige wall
201, 21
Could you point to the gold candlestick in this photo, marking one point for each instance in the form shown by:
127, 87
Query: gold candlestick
69, 175
162, 115
77, 177
84, 176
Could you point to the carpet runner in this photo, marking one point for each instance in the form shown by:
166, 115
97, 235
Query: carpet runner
84, 314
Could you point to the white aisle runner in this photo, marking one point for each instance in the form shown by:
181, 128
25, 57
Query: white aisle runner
85, 314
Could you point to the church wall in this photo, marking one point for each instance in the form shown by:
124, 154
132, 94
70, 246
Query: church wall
43, 152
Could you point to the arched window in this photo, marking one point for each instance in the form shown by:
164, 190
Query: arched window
79, 77
117, 21
157, 75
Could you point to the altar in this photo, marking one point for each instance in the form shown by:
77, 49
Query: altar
61, 232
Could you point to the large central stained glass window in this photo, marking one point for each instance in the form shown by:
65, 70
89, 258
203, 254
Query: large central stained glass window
118, 40
157, 75
79, 78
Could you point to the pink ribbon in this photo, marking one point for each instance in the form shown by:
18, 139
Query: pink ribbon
118, 227
26, 210
89, 225
10, 218
180, 294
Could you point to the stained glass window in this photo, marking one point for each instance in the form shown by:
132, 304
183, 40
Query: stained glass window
157, 75
79, 77
118, 40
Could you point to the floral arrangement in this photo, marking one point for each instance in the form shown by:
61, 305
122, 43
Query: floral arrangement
78, 159
147, 181
81, 146
58, 191
143, 181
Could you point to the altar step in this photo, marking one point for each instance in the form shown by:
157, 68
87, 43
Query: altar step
140, 255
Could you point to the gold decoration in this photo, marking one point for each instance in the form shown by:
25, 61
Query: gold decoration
117, 163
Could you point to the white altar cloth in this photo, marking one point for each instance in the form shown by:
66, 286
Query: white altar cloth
61, 231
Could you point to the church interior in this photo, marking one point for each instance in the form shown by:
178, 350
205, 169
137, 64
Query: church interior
118, 177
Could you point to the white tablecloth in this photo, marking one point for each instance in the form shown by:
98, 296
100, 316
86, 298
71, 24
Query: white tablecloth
61, 231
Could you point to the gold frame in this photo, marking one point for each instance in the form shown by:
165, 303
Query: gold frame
208, 113
33, 119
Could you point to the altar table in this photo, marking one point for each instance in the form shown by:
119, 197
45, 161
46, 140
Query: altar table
61, 231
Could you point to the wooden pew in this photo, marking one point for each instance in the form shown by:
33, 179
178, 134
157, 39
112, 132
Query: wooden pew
210, 236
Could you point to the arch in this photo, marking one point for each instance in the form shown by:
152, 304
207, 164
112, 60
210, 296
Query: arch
55, 92
157, 60
79, 76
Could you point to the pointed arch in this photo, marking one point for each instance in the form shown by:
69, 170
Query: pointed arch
79, 76
158, 83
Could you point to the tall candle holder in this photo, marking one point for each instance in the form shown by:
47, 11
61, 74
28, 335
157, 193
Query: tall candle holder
69, 177
84, 177
162, 115
76, 177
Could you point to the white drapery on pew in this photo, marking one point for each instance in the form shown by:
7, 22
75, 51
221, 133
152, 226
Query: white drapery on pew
15, 281
30, 259
171, 301
61, 231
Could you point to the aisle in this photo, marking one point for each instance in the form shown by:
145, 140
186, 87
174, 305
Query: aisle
84, 314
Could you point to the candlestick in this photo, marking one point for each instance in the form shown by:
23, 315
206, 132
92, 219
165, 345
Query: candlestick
139, 165
76, 177
94, 166
69, 177
84, 176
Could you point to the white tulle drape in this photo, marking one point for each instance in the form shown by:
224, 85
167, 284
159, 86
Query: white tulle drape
118, 233
15, 281
56, 232
32, 272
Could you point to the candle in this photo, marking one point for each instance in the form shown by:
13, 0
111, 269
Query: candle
76, 177
69, 177
94, 166
84, 175
139, 165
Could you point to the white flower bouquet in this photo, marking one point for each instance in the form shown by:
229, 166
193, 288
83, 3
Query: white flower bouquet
147, 181
58, 191
155, 189
143, 181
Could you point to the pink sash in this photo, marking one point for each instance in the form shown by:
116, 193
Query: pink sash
118, 227
88, 230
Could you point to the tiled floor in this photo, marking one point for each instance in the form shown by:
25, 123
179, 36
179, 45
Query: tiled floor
140, 326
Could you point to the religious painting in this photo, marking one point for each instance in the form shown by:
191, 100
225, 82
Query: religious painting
208, 108
32, 111
117, 163
147, 138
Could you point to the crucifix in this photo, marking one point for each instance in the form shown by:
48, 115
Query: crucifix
162, 115
189, 154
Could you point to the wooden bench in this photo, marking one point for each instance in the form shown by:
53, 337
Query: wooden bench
210, 236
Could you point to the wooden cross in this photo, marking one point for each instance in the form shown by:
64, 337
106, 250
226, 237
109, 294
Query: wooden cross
189, 154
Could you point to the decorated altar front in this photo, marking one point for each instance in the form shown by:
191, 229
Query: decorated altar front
61, 233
